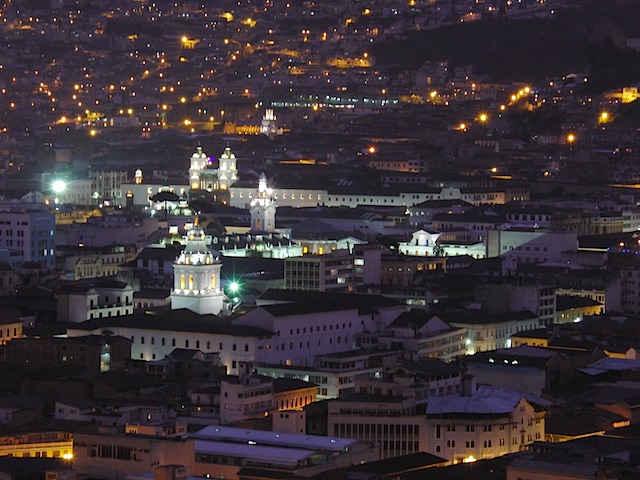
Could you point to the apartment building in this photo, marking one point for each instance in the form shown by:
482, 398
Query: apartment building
27, 236
330, 272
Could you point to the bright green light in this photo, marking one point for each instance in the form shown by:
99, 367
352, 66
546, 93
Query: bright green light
234, 286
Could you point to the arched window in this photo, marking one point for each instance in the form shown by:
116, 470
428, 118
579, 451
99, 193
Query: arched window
182, 281
190, 282
213, 280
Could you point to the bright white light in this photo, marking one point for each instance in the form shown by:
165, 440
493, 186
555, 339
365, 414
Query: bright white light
59, 186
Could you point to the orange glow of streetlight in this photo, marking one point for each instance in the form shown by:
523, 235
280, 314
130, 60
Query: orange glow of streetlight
604, 117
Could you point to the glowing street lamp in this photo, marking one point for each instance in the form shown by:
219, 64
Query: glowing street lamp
483, 117
604, 117
571, 138
58, 186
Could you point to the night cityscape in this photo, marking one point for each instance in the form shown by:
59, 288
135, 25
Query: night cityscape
289, 239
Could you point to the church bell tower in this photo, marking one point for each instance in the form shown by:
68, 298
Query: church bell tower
263, 208
196, 277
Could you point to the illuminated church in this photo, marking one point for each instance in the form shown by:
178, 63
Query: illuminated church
204, 175
196, 277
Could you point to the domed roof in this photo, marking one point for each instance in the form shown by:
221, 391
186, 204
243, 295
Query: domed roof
196, 241
172, 239
183, 211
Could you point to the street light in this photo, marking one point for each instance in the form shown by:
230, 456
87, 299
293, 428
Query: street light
58, 186
604, 117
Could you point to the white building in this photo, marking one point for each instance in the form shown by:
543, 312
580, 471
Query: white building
245, 396
196, 277
94, 298
425, 336
490, 331
155, 334
529, 245
430, 244
227, 169
63, 190
263, 208
105, 186
303, 331
490, 423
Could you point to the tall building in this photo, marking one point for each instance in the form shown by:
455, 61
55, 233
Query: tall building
227, 169
263, 208
105, 186
196, 277
27, 236
199, 161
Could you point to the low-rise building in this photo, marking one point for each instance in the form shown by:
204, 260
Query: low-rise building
87, 262
237, 452
425, 336
112, 454
490, 423
572, 308
93, 298
487, 331
95, 353
333, 374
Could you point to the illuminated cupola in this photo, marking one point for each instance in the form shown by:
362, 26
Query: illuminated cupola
196, 277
